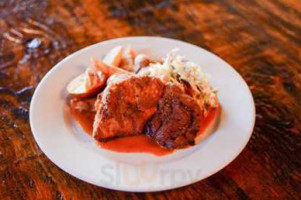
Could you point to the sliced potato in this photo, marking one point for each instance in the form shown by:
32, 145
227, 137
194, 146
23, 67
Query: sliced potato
93, 77
130, 52
108, 70
127, 60
79, 87
114, 56
140, 62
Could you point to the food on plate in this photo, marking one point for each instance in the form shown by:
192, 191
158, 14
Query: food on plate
108, 70
127, 59
127, 97
83, 105
87, 84
141, 61
126, 105
177, 120
113, 57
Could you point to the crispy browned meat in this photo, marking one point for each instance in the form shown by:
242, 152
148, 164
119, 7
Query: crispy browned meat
177, 121
126, 106
138, 105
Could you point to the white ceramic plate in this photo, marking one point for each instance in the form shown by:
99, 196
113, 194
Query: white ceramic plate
65, 144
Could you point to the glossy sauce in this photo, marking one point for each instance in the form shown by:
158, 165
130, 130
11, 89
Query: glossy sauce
206, 121
133, 144
85, 119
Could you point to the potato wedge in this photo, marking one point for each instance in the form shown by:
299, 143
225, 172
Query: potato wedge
141, 61
108, 70
127, 60
79, 87
114, 56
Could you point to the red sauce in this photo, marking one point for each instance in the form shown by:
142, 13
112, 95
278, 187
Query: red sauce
206, 121
133, 144
85, 119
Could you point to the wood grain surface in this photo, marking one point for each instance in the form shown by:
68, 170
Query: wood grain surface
260, 39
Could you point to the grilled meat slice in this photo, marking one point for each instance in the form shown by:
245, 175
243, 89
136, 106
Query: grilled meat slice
177, 120
126, 106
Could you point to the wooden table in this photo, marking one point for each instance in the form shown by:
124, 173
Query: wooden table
260, 39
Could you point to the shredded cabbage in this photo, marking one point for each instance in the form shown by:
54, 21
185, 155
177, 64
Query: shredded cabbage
175, 69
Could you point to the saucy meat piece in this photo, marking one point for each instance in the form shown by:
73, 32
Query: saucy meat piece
126, 106
177, 120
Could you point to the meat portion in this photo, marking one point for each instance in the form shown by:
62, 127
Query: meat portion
177, 121
135, 105
126, 106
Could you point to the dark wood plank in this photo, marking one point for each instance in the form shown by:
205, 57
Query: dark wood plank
260, 39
